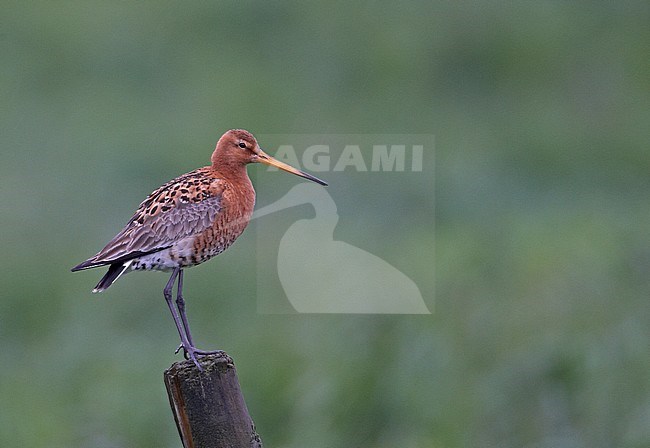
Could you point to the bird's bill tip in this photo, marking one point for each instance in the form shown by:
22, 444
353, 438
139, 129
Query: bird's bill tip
266, 159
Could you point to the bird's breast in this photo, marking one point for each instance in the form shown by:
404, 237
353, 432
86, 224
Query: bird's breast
237, 205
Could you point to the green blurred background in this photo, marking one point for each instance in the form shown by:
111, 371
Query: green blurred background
541, 116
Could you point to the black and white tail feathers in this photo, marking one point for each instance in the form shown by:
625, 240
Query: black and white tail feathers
114, 272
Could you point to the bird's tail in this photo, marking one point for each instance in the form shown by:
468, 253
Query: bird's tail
114, 272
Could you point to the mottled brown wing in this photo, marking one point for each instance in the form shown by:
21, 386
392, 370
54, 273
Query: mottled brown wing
186, 206
162, 231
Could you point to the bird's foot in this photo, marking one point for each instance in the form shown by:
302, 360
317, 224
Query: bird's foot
191, 353
208, 352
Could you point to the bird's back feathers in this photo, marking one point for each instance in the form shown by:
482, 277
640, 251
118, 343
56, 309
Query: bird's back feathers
182, 207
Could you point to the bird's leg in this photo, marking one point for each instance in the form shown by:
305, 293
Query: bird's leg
187, 347
180, 303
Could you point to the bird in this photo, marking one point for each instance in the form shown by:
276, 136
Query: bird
188, 221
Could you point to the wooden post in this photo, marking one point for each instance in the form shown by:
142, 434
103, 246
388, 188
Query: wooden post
208, 406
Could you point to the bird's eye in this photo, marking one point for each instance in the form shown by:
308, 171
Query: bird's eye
242, 145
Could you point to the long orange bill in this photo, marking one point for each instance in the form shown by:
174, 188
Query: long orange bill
266, 159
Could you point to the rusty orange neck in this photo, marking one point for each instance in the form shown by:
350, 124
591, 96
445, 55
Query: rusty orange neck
229, 168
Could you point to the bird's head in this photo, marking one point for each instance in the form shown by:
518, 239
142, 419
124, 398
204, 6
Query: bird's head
240, 147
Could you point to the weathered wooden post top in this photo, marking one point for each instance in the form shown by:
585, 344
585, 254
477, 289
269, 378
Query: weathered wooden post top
208, 405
